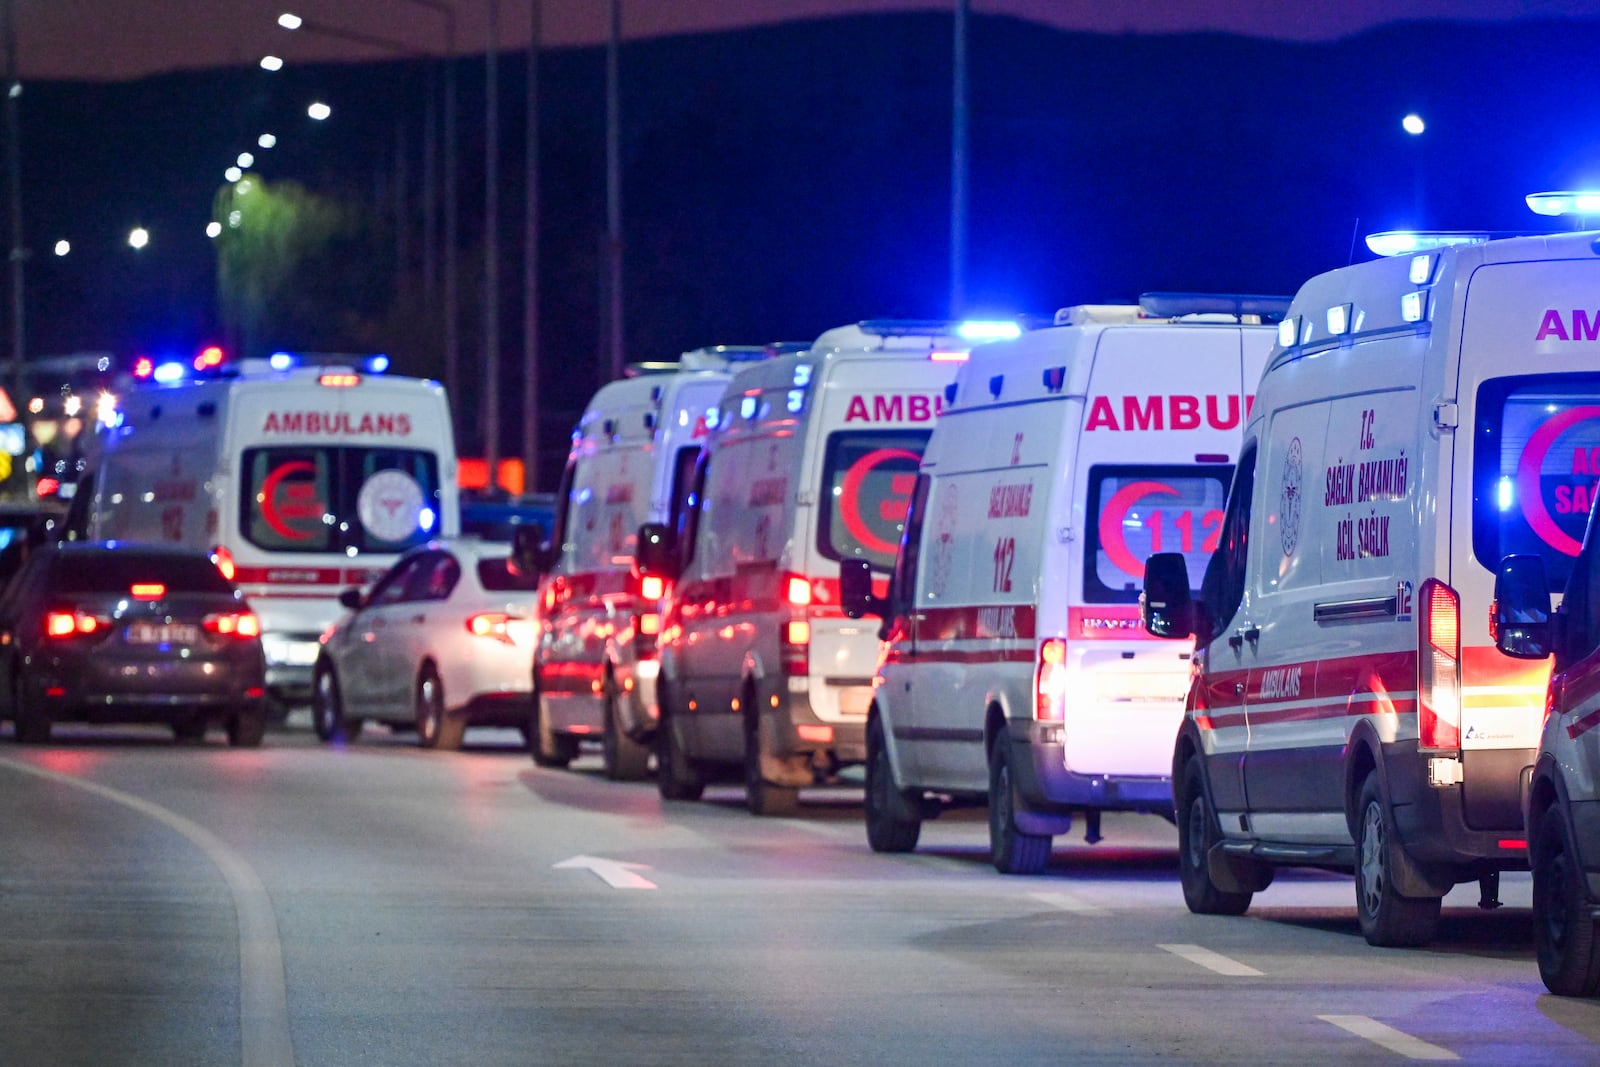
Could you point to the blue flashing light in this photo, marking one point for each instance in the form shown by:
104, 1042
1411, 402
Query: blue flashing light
1507, 495
282, 361
713, 417
426, 519
978, 330
1570, 202
169, 372
377, 364
1405, 242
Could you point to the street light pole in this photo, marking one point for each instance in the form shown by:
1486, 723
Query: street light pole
614, 195
491, 235
19, 252
530, 265
958, 166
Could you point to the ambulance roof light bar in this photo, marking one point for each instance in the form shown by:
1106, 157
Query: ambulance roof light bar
1405, 242
1257, 306
974, 330
1570, 202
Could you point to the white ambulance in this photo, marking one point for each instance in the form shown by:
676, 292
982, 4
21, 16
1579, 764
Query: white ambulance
1015, 671
302, 480
810, 462
1421, 416
632, 462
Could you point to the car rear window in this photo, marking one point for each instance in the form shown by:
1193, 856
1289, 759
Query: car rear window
500, 576
116, 571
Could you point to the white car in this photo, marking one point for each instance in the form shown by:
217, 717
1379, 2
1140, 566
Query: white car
443, 640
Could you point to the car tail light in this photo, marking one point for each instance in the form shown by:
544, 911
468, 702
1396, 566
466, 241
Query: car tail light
794, 651
61, 624
495, 625
224, 561
1439, 667
148, 590
652, 587
1050, 681
240, 624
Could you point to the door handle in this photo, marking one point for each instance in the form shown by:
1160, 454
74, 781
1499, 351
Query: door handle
1236, 640
1253, 635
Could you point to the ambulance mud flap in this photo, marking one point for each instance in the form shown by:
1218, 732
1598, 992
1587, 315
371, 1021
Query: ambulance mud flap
1235, 871
1029, 816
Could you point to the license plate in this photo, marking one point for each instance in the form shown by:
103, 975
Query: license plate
149, 633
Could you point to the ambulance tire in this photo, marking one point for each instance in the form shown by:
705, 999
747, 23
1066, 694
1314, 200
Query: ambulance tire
1013, 850
327, 708
548, 748
624, 759
1197, 834
1388, 919
761, 796
1563, 921
677, 776
247, 729
435, 728
31, 721
894, 818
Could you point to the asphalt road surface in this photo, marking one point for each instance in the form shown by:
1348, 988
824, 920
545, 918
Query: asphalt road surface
377, 904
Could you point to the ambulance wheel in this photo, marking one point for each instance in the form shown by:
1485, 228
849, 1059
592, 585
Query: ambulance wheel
435, 728
1563, 922
894, 818
31, 721
624, 759
327, 708
1387, 918
247, 729
548, 748
761, 796
1013, 850
1197, 834
677, 776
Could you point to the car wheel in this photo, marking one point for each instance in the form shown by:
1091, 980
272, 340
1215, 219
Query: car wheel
625, 759
548, 748
32, 722
1013, 850
190, 731
893, 815
1563, 920
1388, 919
677, 776
247, 729
1198, 833
327, 708
435, 727
761, 796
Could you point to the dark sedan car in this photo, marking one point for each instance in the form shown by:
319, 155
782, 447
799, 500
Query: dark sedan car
126, 633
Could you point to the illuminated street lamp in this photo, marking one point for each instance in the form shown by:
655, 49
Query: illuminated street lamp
1413, 124
246, 161
266, 140
319, 111
213, 230
232, 174
138, 237
271, 63
63, 247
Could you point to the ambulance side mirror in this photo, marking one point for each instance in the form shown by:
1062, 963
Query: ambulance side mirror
528, 551
657, 553
350, 598
1166, 606
1521, 614
855, 590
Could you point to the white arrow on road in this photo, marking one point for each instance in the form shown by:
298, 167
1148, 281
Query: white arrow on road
618, 874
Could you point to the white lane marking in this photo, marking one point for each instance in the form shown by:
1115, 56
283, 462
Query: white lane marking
1069, 902
263, 999
615, 873
1212, 961
1398, 1041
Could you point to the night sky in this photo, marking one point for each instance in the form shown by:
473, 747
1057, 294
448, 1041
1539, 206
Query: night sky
785, 178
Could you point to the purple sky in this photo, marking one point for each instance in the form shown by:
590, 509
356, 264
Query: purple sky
122, 39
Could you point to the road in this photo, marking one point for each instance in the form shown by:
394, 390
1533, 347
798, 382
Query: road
376, 904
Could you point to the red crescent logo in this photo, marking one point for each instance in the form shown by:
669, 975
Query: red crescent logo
269, 507
850, 504
1528, 488
1111, 517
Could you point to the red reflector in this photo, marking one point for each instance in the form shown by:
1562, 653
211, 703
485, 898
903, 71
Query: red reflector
55, 691
821, 735
224, 561
652, 587
48, 486
1512, 842
255, 691
148, 590
797, 590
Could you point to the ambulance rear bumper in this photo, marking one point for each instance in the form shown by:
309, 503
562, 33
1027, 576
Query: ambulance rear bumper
1046, 785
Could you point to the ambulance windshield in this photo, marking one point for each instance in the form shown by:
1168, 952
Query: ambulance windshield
332, 499
1535, 467
867, 478
1139, 510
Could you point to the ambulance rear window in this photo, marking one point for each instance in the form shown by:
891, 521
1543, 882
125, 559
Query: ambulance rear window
867, 478
1535, 465
337, 499
1136, 511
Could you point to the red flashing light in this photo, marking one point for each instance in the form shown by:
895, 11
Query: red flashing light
144, 367
148, 590
652, 587
224, 561
339, 379
48, 486
210, 358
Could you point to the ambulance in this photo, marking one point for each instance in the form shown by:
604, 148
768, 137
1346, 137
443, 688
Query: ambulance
301, 477
1420, 417
1014, 668
810, 462
632, 462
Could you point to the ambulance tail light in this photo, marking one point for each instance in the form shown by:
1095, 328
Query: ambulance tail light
948, 355
224, 561
1439, 667
1050, 681
797, 590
